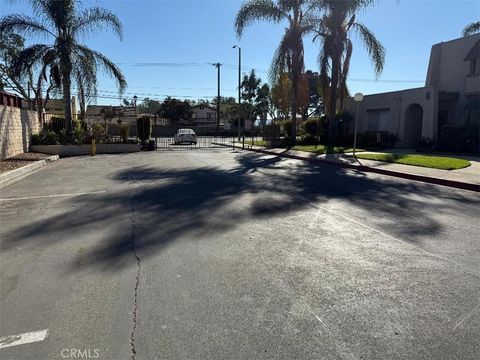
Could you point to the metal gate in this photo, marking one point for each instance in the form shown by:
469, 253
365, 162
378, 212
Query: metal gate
203, 142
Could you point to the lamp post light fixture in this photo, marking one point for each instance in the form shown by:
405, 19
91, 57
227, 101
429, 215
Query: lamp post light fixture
239, 86
358, 97
135, 105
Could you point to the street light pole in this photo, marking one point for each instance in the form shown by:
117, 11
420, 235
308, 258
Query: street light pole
239, 86
217, 65
358, 97
135, 106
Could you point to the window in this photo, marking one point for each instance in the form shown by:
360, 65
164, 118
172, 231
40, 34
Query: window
378, 120
474, 67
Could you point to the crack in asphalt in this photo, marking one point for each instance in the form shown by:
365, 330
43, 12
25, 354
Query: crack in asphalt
137, 279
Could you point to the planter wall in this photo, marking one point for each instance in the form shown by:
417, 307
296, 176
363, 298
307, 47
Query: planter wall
85, 149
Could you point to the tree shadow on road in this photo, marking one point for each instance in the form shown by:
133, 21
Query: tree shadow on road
155, 206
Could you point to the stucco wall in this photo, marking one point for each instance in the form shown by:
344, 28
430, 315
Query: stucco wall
397, 103
448, 71
16, 126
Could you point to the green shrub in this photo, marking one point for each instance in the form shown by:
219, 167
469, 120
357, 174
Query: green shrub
144, 129
310, 127
307, 139
36, 139
371, 139
459, 138
50, 138
56, 124
79, 135
45, 137
63, 137
287, 127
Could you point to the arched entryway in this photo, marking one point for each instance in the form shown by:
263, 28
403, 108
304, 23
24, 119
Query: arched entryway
412, 131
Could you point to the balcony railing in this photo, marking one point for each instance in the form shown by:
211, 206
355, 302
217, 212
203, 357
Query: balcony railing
473, 84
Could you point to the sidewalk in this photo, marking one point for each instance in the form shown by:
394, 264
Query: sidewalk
470, 174
467, 178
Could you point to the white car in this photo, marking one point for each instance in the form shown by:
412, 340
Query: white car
185, 136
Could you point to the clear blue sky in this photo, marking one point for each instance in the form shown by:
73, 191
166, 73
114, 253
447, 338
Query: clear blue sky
193, 34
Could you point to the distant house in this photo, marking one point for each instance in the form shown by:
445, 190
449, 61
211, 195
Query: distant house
55, 107
204, 116
450, 97
96, 113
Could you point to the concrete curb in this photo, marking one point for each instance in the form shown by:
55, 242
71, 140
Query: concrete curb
13, 176
364, 168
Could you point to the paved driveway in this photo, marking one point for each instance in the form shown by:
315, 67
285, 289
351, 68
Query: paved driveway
215, 254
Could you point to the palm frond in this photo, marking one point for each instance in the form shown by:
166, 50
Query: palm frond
94, 19
108, 66
28, 58
256, 10
346, 63
85, 73
281, 60
375, 49
471, 29
23, 25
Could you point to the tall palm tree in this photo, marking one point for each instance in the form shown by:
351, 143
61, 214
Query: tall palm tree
334, 30
472, 28
289, 56
64, 24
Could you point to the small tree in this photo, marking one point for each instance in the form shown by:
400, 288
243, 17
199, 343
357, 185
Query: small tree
175, 110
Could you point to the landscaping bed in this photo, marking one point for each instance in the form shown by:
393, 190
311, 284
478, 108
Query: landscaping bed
20, 160
85, 149
435, 162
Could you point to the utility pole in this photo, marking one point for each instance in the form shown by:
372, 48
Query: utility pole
218, 65
239, 85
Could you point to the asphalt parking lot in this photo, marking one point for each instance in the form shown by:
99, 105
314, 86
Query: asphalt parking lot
221, 254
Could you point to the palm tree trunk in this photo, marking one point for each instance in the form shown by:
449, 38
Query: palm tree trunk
66, 83
295, 79
39, 100
293, 140
333, 103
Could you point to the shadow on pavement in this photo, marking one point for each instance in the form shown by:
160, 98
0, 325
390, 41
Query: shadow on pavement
171, 204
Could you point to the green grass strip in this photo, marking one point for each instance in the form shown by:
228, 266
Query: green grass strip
435, 162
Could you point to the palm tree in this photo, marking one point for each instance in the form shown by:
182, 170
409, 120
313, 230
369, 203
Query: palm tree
63, 23
334, 30
472, 28
289, 56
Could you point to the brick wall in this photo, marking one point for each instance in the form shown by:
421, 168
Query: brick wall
16, 126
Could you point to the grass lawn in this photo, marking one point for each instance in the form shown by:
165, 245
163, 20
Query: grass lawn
320, 149
436, 162
317, 149
249, 142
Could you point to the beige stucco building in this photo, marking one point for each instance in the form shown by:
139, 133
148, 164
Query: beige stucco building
450, 96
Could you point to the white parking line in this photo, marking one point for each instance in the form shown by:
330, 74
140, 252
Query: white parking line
25, 338
53, 196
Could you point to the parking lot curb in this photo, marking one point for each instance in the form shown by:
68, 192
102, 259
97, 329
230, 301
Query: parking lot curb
15, 175
426, 179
